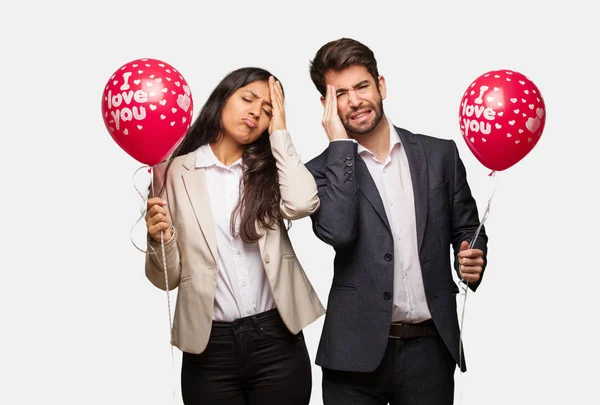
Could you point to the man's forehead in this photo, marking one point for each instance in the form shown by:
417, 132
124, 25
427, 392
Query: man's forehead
348, 77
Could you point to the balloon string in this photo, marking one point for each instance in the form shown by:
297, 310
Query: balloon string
164, 263
142, 208
465, 284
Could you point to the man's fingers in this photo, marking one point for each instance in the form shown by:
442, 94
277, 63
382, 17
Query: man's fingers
327, 102
470, 269
467, 261
470, 253
470, 277
330, 107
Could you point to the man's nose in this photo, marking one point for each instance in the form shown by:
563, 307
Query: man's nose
353, 98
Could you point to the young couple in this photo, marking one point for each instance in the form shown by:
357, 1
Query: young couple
391, 203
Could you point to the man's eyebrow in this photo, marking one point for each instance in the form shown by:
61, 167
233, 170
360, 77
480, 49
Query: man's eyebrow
256, 96
361, 83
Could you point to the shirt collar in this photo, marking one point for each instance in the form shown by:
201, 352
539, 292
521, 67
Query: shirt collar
205, 157
394, 139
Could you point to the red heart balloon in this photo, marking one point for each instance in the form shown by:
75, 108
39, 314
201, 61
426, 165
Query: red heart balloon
502, 116
147, 108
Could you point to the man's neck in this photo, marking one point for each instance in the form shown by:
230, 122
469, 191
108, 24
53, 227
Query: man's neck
378, 140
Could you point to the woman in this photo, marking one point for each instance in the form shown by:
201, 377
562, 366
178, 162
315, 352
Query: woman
243, 297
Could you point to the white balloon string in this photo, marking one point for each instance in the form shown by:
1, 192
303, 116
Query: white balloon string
164, 262
142, 207
465, 284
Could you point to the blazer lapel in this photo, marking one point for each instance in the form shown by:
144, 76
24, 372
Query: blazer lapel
369, 189
420, 179
194, 181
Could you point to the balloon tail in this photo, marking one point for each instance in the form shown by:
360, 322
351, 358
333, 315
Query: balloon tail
465, 284
164, 263
142, 207
164, 260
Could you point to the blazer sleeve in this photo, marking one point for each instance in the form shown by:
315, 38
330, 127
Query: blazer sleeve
297, 186
336, 220
154, 265
465, 217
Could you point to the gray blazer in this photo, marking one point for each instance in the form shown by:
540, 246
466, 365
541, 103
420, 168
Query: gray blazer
352, 219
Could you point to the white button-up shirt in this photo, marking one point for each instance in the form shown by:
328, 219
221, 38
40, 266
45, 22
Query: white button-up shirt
394, 183
242, 285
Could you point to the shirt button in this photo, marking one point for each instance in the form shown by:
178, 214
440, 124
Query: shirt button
388, 257
290, 152
244, 283
349, 157
349, 163
267, 258
387, 295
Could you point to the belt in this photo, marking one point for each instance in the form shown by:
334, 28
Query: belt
413, 330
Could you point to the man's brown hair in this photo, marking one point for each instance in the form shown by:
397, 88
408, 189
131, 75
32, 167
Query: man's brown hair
339, 54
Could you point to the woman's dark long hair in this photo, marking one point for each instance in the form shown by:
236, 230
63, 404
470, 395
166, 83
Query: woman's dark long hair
259, 196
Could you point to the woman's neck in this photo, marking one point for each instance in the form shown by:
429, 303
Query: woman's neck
227, 150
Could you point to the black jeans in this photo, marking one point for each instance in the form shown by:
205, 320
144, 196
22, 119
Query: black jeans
252, 361
417, 371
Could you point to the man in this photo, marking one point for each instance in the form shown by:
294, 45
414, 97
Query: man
392, 204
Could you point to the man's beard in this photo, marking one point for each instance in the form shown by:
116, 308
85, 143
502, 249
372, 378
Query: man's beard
365, 128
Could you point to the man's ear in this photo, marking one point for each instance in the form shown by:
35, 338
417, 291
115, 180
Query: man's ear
382, 88
323, 101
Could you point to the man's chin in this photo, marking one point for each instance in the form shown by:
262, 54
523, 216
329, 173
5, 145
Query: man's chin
360, 130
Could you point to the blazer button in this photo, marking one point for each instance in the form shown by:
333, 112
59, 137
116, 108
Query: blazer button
388, 257
387, 295
267, 258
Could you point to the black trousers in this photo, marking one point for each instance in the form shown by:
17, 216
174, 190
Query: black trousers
417, 371
251, 361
